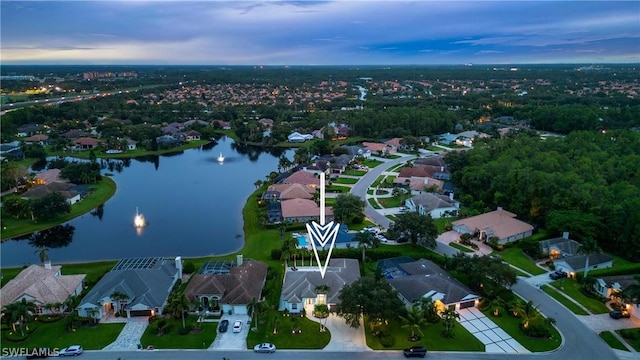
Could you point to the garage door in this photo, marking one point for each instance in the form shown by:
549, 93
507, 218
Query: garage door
140, 312
240, 309
467, 304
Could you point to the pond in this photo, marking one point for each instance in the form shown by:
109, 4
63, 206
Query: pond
192, 205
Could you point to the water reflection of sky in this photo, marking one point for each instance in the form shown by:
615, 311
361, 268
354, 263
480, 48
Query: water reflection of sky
192, 205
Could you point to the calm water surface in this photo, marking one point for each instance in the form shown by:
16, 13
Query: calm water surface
192, 205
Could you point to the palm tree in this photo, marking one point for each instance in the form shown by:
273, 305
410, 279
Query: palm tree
587, 248
364, 239
20, 313
587, 283
527, 311
179, 305
43, 254
120, 299
449, 316
497, 304
413, 321
429, 309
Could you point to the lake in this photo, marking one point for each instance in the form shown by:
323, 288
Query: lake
192, 205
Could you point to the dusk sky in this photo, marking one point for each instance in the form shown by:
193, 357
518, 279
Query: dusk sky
344, 32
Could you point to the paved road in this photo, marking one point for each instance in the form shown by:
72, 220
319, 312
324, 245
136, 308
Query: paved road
360, 189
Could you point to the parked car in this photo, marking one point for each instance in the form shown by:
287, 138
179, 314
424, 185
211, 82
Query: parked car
558, 274
237, 326
73, 350
224, 325
264, 348
415, 351
619, 314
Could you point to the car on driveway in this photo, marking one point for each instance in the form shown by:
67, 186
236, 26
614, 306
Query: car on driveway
558, 274
224, 325
73, 350
619, 314
237, 326
264, 348
415, 351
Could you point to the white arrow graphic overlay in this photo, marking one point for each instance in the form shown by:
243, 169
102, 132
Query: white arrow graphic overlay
322, 233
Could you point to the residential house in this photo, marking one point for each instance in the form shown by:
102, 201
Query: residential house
302, 177
190, 135
289, 191
447, 139
431, 161
231, 290
303, 211
345, 239
48, 176
419, 185
74, 133
378, 149
435, 205
300, 286
131, 144
41, 139
43, 285
610, 286
136, 286
222, 124
395, 143
12, 148
296, 137
355, 150
267, 123
423, 279
167, 141
65, 189
499, 223
575, 264
29, 129
86, 143
559, 247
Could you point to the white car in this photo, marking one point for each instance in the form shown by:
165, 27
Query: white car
237, 326
73, 350
264, 348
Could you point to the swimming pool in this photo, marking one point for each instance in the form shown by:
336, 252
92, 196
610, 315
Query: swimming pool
302, 241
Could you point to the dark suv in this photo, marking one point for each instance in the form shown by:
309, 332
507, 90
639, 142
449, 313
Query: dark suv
558, 274
618, 314
415, 351
224, 325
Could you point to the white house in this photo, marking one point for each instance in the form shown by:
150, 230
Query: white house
576, 263
297, 137
433, 204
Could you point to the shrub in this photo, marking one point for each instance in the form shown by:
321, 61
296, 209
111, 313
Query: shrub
537, 329
276, 254
386, 340
188, 268
185, 330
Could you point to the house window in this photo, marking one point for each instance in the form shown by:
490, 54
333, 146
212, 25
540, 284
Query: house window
39, 310
294, 306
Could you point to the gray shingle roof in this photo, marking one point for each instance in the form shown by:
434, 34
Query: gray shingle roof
143, 286
301, 284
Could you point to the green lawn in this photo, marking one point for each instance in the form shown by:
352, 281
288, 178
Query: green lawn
441, 223
344, 180
515, 257
391, 202
372, 202
172, 340
433, 340
462, 248
101, 192
613, 341
632, 336
338, 189
309, 338
511, 325
563, 300
370, 163
130, 153
55, 335
572, 288
354, 172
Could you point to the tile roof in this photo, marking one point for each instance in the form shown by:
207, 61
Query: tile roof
577, 262
501, 223
239, 286
302, 177
292, 191
49, 176
431, 201
301, 207
42, 285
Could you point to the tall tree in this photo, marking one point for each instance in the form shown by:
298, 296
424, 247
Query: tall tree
19, 313
348, 208
413, 320
419, 229
369, 297
365, 239
448, 317
43, 254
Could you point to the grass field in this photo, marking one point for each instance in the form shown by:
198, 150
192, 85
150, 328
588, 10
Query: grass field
373, 203
572, 288
171, 339
515, 257
311, 337
563, 300
344, 180
511, 325
632, 336
391, 202
613, 341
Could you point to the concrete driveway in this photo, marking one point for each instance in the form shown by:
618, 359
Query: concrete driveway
343, 337
491, 335
230, 340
